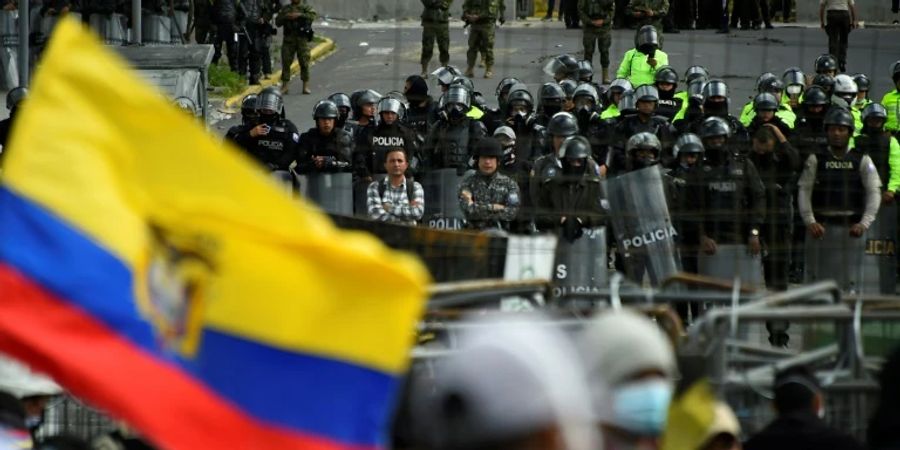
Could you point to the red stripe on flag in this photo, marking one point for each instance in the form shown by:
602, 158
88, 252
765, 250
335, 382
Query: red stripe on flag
94, 363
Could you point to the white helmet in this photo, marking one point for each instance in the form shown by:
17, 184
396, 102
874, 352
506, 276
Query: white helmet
844, 85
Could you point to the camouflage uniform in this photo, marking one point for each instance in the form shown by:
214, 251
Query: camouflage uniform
591, 10
486, 191
481, 32
659, 7
297, 35
435, 26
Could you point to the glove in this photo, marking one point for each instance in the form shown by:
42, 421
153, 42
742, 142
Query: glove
572, 230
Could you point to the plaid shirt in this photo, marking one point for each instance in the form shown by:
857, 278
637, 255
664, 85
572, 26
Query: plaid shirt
401, 209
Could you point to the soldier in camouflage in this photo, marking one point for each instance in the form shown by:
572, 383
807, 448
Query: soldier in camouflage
596, 19
649, 12
481, 16
488, 198
435, 27
297, 19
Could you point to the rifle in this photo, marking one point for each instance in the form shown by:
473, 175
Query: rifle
243, 26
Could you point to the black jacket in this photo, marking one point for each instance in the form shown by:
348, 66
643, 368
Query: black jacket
337, 147
801, 431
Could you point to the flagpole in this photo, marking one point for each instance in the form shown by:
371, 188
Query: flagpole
137, 30
24, 23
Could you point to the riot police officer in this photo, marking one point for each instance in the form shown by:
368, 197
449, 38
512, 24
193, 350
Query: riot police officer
794, 84
808, 134
562, 67
777, 163
839, 186
768, 83
640, 63
666, 82
596, 19
845, 91
765, 107
862, 97
570, 199
617, 88
249, 117
520, 117
451, 141
585, 72
883, 148
390, 133
644, 121
716, 104
325, 147
364, 104
422, 108
488, 198
273, 143
550, 102
688, 151
826, 65
586, 102
342, 101
731, 197
891, 101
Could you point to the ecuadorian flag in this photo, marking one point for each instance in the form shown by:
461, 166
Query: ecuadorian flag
160, 275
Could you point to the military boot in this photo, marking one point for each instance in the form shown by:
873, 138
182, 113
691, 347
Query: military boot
488, 72
470, 72
605, 73
425, 71
284, 88
306, 90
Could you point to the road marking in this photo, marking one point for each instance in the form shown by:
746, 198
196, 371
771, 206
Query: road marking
379, 51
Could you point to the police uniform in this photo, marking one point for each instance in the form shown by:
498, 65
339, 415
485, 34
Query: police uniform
731, 199
481, 32
369, 155
297, 37
591, 10
276, 150
435, 27
337, 148
839, 190
571, 196
451, 145
486, 191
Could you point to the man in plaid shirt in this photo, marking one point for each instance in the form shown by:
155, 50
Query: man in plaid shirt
393, 199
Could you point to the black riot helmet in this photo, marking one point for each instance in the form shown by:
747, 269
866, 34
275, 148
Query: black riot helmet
562, 124
457, 102
713, 127
642, 143
586, 96
794, 80
646, 40
826, 64
687, 144
249, 113
503, 88
326, 109
873, 110
838, 116
666, 74
765, 102
391, 105
765, 77
551, 99
695, 72
862, 82
715, 88
363, 97
575, 147
715, 98
269, 103
568, 86
815, 96
521, 97
619, 86
585, 72
444, 75
826, 82
895, 71
628, 104
15, 96
562, 67
772, 86
647, 93
342, 101
465, 82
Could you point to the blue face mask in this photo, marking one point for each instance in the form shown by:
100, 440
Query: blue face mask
642, 407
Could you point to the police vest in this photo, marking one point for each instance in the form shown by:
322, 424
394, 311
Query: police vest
381, 140
669, 108
453, 144
272, 148
838, 188
878, 147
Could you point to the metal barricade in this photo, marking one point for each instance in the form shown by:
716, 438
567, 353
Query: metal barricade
441, 201
837, 256
333, 192
67, 415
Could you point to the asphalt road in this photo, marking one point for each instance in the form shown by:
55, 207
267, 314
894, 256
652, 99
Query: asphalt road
381, 56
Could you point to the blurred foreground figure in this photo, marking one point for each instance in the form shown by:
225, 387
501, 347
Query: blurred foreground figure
513, 385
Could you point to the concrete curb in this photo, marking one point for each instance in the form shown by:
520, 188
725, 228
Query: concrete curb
232, 104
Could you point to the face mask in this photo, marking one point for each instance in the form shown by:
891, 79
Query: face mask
550, 110
716, 108
455, 113
571, 169
642, 407
268, 119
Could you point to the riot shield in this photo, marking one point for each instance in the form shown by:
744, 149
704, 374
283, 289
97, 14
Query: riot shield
836, 256
879, 262
644, 232
441, 200
581, 266
156, 29
333, 192
110, 27
9, 39
733, 261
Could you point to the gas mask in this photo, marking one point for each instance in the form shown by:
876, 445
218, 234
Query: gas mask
455, 112
552, 108
268, 117
639, 161
574, 167
719, 109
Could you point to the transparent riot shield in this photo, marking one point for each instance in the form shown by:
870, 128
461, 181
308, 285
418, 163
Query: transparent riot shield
156, 29
644, 232
581, 266
837, 256
879, 262
333, 192
732, 261
441, 200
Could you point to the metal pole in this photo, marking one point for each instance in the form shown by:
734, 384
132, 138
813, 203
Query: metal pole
137, 29
24, 22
